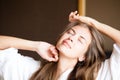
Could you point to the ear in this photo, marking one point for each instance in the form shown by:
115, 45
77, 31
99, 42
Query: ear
81, 58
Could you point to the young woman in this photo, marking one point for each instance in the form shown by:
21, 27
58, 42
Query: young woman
78, 54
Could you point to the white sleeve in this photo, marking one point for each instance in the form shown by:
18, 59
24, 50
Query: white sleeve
110, 68
115, 62
115, 57
14, 66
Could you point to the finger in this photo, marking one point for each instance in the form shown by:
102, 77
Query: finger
53, 59
78, 15
53, 50
75, 12
71, 13
54, 54
56, 57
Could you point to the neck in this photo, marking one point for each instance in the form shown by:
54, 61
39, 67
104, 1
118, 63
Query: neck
65, 64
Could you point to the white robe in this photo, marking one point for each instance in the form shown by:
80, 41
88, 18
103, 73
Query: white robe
14, 66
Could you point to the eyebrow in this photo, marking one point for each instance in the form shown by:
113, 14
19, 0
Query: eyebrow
73, 30
80, 35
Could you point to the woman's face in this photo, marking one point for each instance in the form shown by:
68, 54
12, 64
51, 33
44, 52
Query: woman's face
74, 42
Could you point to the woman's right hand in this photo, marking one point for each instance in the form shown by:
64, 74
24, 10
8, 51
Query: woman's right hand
47, 51
73, 16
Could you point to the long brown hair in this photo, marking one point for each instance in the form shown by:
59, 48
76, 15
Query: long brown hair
84, 70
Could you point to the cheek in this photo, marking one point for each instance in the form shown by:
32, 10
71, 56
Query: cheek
61, 38
80, 49
59, 41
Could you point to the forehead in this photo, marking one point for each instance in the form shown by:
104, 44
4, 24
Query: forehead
80, 29
83, 31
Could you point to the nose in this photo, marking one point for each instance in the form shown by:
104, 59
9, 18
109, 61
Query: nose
72, 38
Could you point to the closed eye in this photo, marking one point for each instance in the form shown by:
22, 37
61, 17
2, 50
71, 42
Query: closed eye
71, 31
82, 39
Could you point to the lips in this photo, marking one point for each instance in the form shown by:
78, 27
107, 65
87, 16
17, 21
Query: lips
65, 42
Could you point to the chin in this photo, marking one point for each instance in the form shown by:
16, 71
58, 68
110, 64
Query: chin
62, 49
59, 48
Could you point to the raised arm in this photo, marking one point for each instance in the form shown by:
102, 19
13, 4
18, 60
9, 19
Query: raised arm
44, 49
111, 32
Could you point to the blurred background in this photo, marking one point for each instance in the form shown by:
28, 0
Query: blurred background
44, 20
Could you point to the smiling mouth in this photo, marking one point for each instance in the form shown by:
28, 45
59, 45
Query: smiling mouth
66, 44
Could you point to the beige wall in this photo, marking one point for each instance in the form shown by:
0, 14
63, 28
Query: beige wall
45, 19
35, 19
106, 11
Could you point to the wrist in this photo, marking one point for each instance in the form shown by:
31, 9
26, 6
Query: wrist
35, 46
